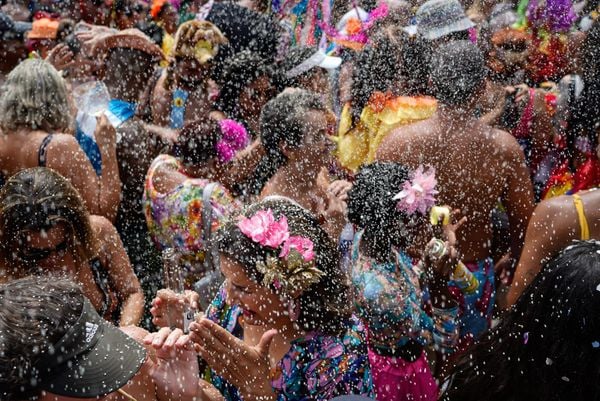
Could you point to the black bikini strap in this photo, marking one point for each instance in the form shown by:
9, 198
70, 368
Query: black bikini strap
42, 150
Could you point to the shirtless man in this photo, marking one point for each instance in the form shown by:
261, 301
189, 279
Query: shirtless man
475, 165
91, 358
182, 91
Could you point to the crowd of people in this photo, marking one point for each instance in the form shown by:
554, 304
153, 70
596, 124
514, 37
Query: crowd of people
302, 200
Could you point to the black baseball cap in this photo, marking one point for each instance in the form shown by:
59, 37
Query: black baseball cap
92, 359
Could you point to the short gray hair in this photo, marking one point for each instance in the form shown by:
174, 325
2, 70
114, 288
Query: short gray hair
34, 96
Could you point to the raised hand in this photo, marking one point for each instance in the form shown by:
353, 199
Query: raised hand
168, 307
244, 366
175, 372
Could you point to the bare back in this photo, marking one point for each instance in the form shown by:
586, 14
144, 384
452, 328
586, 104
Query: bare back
476, 166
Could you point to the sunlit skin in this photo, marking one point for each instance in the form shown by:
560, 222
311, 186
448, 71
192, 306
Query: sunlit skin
19, 150
475, 166
63, 259
263, 311
303, 178
553, 226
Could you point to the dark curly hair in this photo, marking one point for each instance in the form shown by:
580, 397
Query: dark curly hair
235, 73
383, 63
294, 57
372, 208
457, 71
324, 306
35, 313
549, 338
197, 141
282, 123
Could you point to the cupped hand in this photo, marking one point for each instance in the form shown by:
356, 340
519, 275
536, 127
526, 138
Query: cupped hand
175, 371
168, 307
61, 57
246, 367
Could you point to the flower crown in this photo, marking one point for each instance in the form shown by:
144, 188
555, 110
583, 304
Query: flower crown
234, 138
418, 193
294, 268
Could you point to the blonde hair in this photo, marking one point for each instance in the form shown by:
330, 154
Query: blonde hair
34, 96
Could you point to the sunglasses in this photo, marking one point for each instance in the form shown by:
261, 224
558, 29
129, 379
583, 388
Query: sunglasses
34, 255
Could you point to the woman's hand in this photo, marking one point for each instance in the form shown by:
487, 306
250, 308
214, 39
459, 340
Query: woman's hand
441, 266
244, 366
61, 57
168, 307
175, 372
340, 189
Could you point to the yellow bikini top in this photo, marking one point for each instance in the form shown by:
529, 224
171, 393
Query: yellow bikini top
583, 224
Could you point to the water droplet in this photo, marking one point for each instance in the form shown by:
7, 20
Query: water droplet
549, 361
596, 344
565, 379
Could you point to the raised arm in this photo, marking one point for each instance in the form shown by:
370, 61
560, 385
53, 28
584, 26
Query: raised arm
127, 285
101, 195
517, 196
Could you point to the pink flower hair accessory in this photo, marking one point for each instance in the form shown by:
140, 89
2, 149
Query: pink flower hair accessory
262, 228
294, 268
234, 138
418, 193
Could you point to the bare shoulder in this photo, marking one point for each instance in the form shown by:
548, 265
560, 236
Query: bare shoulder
396, 141
553, 215
101, 225
506, 144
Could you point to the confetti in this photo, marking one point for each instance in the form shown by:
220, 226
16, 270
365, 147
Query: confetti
598, 287
549, 361
525, 337
565, 379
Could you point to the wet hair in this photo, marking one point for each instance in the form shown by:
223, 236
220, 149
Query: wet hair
294, 57
196, 142
372, 208
550, 338
325, 306
282, 122
383, 63
457, 72
235, 73
34, 97
35, 313
585, 119
36, 199
125, 64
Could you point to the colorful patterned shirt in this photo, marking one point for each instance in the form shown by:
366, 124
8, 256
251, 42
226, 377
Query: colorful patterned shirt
391, 303
320, 367
317, 366
175, 218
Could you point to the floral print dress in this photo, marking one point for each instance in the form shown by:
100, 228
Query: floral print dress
321, 367
317, 366
394, 307
175, 218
